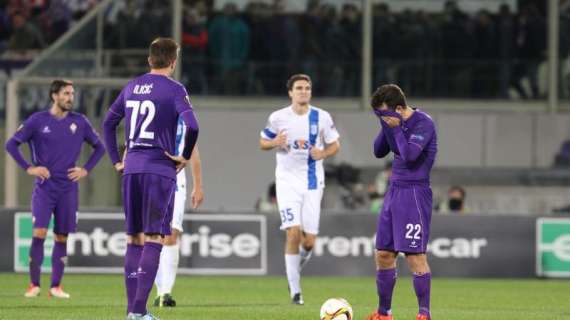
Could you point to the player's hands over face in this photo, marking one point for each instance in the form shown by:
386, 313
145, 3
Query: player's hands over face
281, 140
197, 197
317, 154
40, 172
74, 174
180, 161
391, 121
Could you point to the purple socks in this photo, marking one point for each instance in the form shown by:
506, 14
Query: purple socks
385, 282
36, 260
58, 261
132, 258
148, 266
422, 284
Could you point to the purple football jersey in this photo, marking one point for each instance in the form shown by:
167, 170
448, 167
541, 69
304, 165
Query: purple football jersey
151, 105
55, 143
414, 144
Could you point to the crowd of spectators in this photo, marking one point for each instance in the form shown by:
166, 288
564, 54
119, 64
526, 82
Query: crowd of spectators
34, 24
250, 51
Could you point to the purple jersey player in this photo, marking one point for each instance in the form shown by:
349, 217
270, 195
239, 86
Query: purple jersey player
55, 138
403, 224
151, 105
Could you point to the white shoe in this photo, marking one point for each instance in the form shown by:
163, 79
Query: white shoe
58, 293
32, 291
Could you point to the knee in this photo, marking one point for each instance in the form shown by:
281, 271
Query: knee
40, 233
293, 236
418, 263
137, 239
60, 237
385, 259
171, 240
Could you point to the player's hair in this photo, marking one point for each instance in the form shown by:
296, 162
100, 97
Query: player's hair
391, 95
296, 77
162, 52
57, 85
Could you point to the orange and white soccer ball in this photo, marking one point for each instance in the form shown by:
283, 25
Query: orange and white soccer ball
336, 309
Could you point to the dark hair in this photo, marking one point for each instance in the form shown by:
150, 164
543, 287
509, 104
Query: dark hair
391, 95
57, 85
162, 52
459, 189
296, 77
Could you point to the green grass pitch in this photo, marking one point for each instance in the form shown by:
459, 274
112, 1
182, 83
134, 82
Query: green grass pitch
101, 297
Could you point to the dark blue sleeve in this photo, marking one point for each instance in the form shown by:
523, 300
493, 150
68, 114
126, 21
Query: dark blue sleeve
191, 133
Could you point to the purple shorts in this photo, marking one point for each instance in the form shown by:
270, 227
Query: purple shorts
403, 224
148, 200
61, 201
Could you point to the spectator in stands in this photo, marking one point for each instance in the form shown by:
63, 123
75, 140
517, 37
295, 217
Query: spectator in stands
505, 32
269, 202
24, 35
229, 48
194, 46
378, 189
455, 201
530, 44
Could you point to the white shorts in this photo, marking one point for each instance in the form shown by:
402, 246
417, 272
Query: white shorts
179, 207
299, 208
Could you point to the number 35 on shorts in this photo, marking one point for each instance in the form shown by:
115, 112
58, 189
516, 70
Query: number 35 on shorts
287, 215
413, 231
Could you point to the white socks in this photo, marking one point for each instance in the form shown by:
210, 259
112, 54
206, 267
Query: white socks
305, 256
293, 273
167, 269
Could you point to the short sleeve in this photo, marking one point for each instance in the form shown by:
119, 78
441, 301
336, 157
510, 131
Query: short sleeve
26, 130
270, 130
330, 134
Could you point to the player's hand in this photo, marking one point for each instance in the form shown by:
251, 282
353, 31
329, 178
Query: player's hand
317, 154
197, 197
40, 172
391, 121
120, 166
281, 140
179, 160
74, 174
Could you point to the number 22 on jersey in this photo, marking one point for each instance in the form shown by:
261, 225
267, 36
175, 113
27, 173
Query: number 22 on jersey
145, 108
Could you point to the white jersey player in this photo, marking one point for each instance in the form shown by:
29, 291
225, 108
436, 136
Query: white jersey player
303, 136
170, 253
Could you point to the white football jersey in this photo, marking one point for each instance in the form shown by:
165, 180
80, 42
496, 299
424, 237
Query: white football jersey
179, 147
294, 164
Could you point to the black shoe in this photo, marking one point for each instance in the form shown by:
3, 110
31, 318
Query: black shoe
298, 299
165, 300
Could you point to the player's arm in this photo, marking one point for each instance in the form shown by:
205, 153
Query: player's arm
330, 150
196, 167
112, 119
23, 135
330, 138
381, 146
186, 113
419, 138
278, 141
92, 138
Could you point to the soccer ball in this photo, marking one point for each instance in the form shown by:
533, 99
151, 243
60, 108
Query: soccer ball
336, 309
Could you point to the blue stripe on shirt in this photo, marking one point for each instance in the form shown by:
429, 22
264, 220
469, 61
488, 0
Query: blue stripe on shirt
313, 132
269, 134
